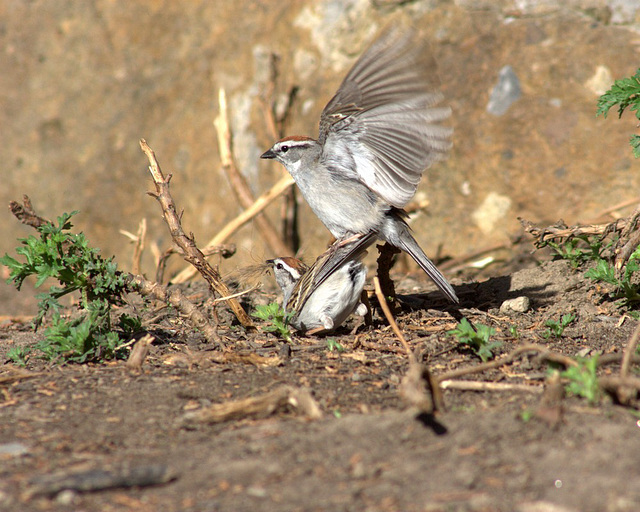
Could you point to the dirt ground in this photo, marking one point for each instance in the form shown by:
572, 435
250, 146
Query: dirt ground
91, 427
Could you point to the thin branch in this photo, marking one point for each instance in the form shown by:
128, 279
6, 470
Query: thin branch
138, 248
24, 213
238, 294
563, 232
544, 352
389, 316
475, 385
261, 203
261, 406
629, 352
418, 379
239, 183
191, 253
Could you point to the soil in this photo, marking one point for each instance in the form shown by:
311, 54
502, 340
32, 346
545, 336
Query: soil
103, 437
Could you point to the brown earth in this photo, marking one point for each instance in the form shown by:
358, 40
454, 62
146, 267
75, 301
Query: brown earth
368, 451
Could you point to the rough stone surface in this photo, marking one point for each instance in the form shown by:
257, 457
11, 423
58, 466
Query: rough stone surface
517, 305
82, 82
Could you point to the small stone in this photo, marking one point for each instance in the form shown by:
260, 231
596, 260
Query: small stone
600, 82
489, 214
66, 497
257, 492
517, 305
505, 92
584, 352
14, 449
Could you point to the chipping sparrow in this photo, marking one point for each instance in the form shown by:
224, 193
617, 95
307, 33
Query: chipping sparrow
324, 295
377, 136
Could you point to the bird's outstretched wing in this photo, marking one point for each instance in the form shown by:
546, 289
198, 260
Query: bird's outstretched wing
384, 121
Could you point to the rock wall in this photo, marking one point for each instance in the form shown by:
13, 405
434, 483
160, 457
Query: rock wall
82, 82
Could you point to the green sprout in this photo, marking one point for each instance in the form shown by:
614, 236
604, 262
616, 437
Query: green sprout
556, 328
277, 319
476, 338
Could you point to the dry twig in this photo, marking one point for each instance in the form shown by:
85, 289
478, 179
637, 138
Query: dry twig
544, 352
239, 183
261, 406
476, 385
626, 229
24, 213
138, 248
17, 375
418, 379
261, 203
191, 253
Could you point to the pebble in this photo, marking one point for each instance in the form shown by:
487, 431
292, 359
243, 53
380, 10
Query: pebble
14, 449
505, 92
517, 305
66, 497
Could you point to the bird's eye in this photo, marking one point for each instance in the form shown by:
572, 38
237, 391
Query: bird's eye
279, 266
284, 149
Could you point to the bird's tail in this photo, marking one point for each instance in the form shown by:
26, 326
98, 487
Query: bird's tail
408, 244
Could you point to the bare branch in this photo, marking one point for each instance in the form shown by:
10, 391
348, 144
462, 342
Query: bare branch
261, 203
239, 183
191, 253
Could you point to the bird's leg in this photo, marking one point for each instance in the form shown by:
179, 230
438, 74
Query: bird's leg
347, 239
385, 262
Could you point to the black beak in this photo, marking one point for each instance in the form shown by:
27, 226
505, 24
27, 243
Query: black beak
268, 154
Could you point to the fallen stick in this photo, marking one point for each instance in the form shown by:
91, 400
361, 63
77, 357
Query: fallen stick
545, 353
418, 379
475, 385
17, 375
261, 406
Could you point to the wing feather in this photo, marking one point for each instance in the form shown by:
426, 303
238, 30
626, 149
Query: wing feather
385, 117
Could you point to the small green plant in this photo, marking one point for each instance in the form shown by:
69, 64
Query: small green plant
332, 345
19, 355
527, 415
68, 259
477, 339
583, 380
626, 94
556, 328
513, 331
624, 287
578, 250
278, 320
